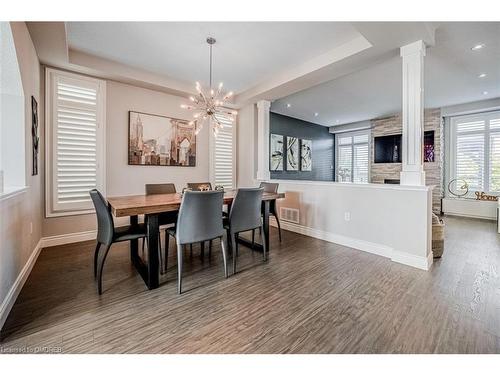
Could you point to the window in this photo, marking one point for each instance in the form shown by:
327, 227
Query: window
352, 157
475, 151
12, 117
223, 155
75, 159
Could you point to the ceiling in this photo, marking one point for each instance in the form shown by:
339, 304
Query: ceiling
246, 53
451, 77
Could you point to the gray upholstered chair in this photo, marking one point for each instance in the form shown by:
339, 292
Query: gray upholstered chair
107, 234
199, 220
160, 189
164, 218
245, 215
272, 188
198, 186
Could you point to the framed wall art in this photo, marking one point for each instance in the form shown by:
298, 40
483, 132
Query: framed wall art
292, 154
306, 155
161, 140
276, 153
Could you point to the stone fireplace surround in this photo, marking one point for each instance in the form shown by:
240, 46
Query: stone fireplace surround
380, 172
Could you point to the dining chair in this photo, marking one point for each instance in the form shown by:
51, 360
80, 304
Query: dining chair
165, 218
199, 186
107, 234
271, 188
199, 220
244, 215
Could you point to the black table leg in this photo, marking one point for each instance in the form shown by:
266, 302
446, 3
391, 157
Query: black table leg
149, 272
153, 271
134, 244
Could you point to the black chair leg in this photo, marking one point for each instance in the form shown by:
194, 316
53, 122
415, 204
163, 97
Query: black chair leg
236, 246
279, 226
166, 251
96, 256
179, 268
202, 250
191, 250
224, 255
100, 268
264, 247
159, 252
253, 237
229, 241
209, 249
233, 246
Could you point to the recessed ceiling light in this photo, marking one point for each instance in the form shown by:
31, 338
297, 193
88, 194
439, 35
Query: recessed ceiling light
482, 75
288, 105
316, 114
477, 47
485, 92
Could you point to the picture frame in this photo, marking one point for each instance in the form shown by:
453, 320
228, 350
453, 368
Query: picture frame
156, 140
35, 139
276, 155
306, 155
292, 154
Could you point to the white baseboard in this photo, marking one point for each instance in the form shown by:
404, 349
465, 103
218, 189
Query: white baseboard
423, 263
14, 291
68, 238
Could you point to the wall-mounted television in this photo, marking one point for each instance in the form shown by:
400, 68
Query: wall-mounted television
388, 148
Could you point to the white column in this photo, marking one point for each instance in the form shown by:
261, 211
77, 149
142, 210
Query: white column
263, 107
413, 114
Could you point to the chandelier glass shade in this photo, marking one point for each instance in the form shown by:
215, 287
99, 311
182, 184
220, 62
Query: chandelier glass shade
210, 105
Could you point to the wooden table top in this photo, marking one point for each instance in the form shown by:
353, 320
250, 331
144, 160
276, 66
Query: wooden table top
131, 205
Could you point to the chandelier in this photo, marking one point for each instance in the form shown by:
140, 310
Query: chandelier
208, 105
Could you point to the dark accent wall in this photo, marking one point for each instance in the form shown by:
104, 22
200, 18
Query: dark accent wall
323, 147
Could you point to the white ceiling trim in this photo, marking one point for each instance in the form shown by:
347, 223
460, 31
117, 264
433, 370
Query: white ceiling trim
104, 68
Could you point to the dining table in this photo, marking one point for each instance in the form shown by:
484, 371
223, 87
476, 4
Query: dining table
153, 205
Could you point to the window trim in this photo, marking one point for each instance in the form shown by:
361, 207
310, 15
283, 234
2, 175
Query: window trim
50, 74
451, 152
368, 143
211, 148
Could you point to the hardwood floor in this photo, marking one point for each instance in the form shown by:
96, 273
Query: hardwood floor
311, 297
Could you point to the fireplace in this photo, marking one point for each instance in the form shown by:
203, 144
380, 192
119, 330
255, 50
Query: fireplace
391, 181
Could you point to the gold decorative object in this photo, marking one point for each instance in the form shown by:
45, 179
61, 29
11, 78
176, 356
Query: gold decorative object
461, 187
482, 196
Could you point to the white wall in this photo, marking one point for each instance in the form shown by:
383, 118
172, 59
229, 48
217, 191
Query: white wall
124, 179
389, 220
21, 215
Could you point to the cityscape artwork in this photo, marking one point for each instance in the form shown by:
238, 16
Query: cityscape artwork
161, 140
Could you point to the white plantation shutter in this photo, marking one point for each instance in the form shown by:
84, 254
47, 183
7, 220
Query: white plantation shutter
352, 157
469, 162
475, 151
495, 162
75, 109
344, 163
360, 171
223, 155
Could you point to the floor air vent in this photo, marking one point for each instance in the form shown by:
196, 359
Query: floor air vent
289, 214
